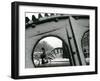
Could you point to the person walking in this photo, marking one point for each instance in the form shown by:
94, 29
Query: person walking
43, 56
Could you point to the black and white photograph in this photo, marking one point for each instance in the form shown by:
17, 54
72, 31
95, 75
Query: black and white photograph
51, 40
50, 48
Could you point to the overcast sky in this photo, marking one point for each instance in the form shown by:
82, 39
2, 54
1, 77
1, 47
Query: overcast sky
53, 41
29, 15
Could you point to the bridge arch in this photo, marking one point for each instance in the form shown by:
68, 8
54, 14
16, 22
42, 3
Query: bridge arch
55, 36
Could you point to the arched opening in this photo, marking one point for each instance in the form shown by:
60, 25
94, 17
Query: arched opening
85, 46
51, 51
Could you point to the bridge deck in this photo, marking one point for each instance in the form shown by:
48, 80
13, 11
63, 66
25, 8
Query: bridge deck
56, 62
